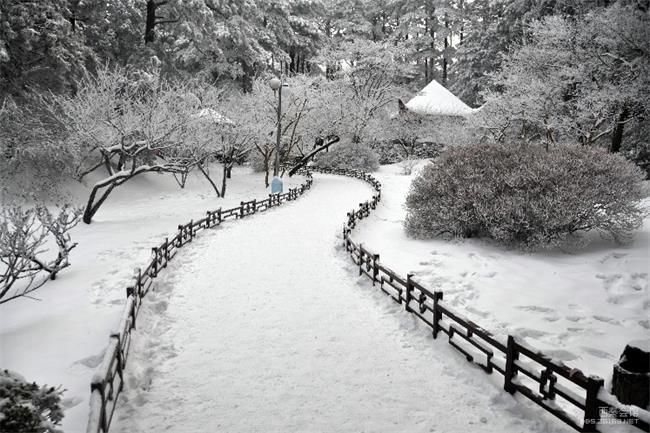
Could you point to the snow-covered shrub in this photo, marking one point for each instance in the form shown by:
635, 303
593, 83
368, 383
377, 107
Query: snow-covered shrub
28, 407
525, 195
390, 152
351, 156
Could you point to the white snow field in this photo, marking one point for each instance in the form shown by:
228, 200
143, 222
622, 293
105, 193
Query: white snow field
580, 307
60, 340
264, 326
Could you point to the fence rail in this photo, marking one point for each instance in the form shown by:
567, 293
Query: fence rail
573, 397
108, 380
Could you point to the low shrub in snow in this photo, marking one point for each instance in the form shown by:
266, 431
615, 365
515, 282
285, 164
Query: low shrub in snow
350, 156
28, 407
525, 195
394, 151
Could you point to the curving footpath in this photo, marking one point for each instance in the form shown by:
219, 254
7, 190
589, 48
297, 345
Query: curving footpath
259, 327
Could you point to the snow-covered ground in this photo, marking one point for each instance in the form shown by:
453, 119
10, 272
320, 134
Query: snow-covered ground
263, 326
580, 307
60, 340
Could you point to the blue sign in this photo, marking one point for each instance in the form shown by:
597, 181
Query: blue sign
276, 186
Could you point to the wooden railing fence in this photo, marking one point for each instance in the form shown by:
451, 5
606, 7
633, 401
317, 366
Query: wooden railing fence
575, 398
108, 380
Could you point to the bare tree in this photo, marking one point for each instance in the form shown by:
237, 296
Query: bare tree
123, 123
24, 263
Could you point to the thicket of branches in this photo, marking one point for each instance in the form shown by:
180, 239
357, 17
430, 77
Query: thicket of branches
26, 236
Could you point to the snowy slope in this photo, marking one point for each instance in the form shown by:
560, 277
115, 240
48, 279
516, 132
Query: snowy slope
263, 327
60, 340
579, 307
435, 99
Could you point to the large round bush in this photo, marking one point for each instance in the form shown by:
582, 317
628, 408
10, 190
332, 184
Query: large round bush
351, 156
525, 195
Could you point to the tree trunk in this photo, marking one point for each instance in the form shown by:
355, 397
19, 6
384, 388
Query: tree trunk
247, 77
206, 174
292, 62
462, 22
92, 207
150, 23
432, 33
445, 54
224, 180
617, 135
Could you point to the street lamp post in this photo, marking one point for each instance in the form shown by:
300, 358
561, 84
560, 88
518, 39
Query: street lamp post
276, 184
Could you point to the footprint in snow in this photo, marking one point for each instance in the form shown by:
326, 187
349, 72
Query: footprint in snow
606, 319
615, 256
477, 312
562, 355
529, 333
535, 308
598, 353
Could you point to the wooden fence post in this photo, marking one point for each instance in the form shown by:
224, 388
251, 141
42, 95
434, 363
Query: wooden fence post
137, 272
180, 236
592, 410
437, 315
219, 215
375, 268
191, 230
360, 259
241, 209
511, 369
166, 251
254, 205
155, 261
409, 289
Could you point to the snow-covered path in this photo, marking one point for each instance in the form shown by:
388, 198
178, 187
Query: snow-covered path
263, 326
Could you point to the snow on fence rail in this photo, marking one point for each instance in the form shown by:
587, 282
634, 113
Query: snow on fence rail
108, 380
579, 400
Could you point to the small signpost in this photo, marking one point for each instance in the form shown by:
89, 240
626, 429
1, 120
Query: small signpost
276, 186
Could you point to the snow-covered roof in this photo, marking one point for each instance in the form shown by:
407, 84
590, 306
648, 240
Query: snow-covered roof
214, 115
435, 100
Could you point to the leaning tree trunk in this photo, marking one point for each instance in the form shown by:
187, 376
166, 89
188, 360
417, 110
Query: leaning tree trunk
617, 135
207, 176
106, 186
